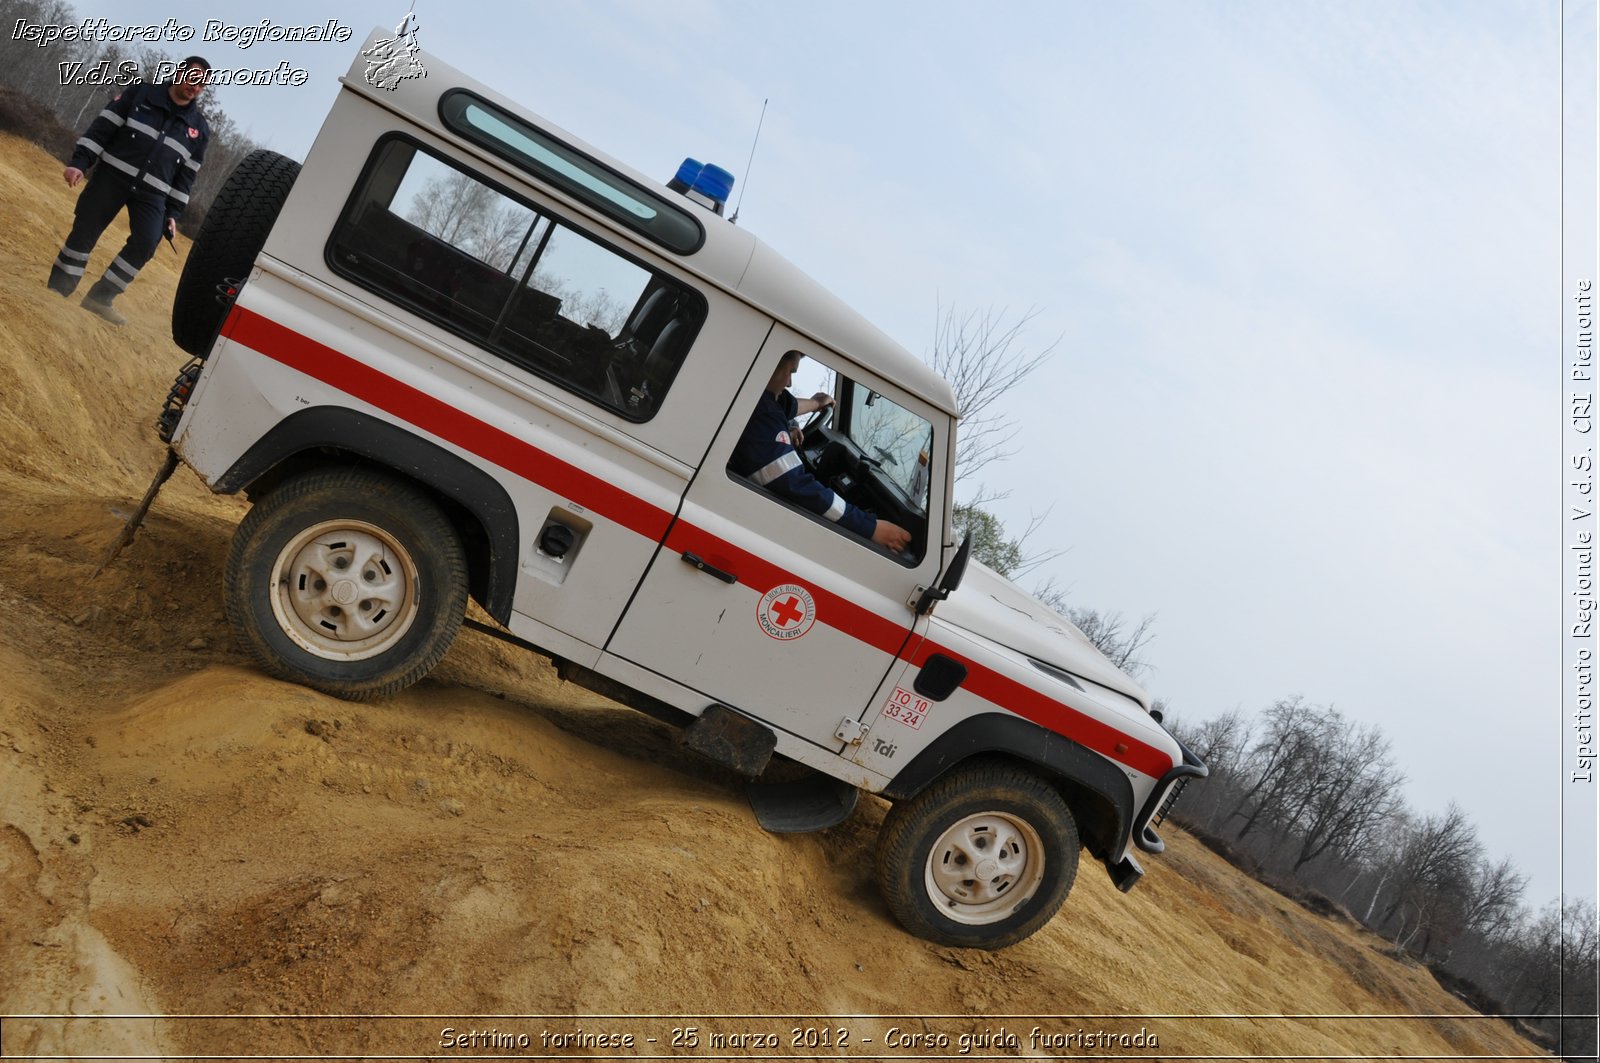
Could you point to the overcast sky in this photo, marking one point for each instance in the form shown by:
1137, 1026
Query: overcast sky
1301, 264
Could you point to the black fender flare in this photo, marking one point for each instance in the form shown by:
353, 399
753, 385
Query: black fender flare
321, 428
1059, 757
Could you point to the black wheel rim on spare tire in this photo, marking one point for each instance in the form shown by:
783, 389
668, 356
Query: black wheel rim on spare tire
232, 235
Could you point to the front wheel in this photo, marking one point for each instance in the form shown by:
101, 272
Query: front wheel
981, 859
349, 581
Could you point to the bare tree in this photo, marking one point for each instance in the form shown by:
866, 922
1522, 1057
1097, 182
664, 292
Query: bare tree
1432, 878
465, 212
450, 207
1494, 897
596, 307
1549, 964
26, 67
501, 231
1221, 742
1113, 635
1384, 868
1580, 959
1289, 745
225, 149
983, 356
1351, 786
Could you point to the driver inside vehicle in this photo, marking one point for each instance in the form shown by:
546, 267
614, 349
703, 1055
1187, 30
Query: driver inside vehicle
767, 456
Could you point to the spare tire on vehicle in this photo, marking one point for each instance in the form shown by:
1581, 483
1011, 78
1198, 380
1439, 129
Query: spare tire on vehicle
232, 235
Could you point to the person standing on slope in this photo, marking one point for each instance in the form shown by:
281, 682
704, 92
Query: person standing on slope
145, 149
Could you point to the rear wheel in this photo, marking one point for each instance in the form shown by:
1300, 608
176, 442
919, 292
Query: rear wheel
981, 859
349, 581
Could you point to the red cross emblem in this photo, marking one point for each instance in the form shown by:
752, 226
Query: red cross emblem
787, 611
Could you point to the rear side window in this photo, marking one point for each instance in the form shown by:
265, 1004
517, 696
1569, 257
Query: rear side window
515, 279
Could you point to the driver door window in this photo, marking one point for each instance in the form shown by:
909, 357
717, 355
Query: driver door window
869, 450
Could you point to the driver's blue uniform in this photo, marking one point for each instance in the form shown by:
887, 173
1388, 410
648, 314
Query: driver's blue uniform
766, 456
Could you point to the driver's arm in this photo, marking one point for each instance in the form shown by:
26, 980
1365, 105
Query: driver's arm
816, 402
766, 456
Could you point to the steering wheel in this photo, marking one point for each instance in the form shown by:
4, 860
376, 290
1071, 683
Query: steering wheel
819, 419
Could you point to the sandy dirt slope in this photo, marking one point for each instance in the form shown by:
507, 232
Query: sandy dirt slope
182, 836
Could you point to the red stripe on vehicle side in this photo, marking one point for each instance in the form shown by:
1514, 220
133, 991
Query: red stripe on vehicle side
445, 421
417, 407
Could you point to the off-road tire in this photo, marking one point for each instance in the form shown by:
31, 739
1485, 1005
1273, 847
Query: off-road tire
231, 237
978, 806
349, 581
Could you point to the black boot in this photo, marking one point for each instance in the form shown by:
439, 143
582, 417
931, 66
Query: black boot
61, 282
98, 301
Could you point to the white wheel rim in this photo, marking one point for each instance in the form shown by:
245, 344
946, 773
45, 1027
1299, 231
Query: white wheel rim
344, 590
984, 867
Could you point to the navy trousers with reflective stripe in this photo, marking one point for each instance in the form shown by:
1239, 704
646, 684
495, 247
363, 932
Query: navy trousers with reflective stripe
102, 197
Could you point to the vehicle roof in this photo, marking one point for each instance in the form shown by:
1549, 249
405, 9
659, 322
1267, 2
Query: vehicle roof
731, 258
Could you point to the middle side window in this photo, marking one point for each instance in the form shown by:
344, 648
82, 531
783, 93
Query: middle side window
515, 279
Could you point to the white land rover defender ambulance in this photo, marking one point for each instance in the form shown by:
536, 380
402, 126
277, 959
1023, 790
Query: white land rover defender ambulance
461, 352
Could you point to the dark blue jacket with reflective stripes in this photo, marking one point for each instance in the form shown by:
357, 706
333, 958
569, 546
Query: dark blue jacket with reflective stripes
766, 455
150, 141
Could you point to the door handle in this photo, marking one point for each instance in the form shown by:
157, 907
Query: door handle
699, 563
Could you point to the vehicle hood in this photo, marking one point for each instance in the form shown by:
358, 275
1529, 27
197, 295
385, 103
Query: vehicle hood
992, 607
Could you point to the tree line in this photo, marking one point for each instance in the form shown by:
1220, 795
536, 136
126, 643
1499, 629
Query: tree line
52, 108
1311, 802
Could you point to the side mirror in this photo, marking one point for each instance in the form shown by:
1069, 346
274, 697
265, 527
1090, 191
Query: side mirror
949, 581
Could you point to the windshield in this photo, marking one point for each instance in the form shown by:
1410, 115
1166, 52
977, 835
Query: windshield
894, 437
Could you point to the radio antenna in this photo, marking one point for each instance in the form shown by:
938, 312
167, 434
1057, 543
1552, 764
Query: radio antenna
735, 219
